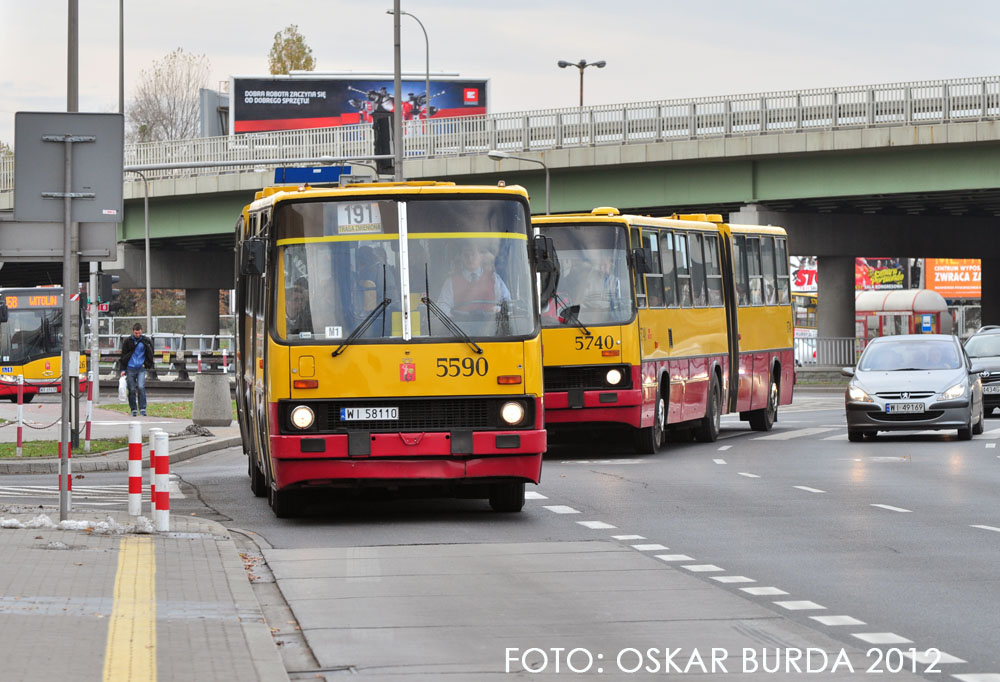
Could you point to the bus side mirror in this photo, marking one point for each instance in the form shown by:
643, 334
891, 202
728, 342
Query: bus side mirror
545, 254
4, 315
642, 260
252, 262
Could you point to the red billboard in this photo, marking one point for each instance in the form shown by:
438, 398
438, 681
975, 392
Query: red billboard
880, 274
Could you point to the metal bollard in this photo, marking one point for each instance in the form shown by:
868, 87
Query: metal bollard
162, 482
20, 415
90, 412
134, 468
152, 470
199, 362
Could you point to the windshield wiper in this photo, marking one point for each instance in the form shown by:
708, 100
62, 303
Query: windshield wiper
570, 313
450, 323
362, 326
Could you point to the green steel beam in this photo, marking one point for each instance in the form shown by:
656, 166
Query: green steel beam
184, 216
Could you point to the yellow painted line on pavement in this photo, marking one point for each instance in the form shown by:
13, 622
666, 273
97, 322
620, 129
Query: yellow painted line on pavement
131, 649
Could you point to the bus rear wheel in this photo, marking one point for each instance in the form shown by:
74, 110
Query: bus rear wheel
763, 419
708, 429
258, 484
507, 497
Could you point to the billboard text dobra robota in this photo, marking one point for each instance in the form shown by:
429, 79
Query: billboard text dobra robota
262, 104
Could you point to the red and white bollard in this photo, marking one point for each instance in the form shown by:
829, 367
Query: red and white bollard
69, 472
90, 413
152, 471
225, 360
20, 415
134, 468
199, 362
162, 482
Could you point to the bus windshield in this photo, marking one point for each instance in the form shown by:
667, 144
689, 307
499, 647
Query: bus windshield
593, 274
30, 334
342, 269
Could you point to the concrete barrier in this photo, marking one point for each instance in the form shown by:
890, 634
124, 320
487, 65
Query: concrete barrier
212, 403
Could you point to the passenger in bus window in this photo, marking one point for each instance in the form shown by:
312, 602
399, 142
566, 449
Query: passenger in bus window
297, 316
474, 286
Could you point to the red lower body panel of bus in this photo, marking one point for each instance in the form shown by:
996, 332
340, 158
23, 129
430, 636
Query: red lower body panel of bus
598, 405
9, 390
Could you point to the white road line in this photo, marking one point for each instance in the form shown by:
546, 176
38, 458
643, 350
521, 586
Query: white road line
978, 677
881, 638
926, 657
561, 509
719, 461
991, 445
650, 548
808, 489
733, 579
763, 591
794, 433
992, 433
674, 557
800, 605
891, 508
703, 568
743, 473
628, 537
531, 495
993, 528
596, 525
725, 447
842, 436
837, 620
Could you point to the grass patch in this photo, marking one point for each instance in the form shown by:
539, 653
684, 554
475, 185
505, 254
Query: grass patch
50, 448
177, 410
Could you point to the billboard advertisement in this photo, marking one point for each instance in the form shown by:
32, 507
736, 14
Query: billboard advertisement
953, 277
880, 274
265, 103
803, 270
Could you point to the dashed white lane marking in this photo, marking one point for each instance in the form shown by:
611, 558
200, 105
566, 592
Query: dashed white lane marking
926, 657
561, 509
763, 591
881, 638
991, 445
842, 436
725, 447
650, 548
703, 568
992, 433
837, 620
993, 528
534, 496
719, 461
794, 433
800, 605
743, 473
603, 461
674, 557
808, 489
596, 525
891, 508
978, 677
628, 537
733, 579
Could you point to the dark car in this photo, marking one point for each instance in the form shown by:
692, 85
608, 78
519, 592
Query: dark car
983, 348
914, 382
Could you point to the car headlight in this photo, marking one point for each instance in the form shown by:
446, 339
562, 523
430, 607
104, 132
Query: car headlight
956, 391
302, 417
613, 377
856, 394
512, 413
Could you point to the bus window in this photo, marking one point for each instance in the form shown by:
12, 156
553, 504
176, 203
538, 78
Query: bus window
753, 271
781, 256
667, 267
740, 270
767, 261
697, 271
654, 279
640, 284
713, 271
683, 270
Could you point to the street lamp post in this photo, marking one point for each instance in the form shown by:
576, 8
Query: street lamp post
427, 64
582, 64
498, 155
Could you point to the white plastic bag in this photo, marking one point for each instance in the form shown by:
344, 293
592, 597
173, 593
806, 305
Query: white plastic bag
122, 390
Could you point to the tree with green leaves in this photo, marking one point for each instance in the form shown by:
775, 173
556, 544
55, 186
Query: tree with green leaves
290, 52
166, 100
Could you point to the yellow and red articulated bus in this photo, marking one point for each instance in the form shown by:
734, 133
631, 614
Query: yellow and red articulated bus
390, 337
651, 316
31, 342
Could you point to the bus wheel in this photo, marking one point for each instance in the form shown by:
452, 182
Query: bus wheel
284, 503
763, 419
649, 439
708, 429
26, 398
258, 485
507, 497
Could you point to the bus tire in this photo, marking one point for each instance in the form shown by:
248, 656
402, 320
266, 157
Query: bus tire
708, 428
648, 440
258, 484
284, 503
763, 419
507, 497
26, 398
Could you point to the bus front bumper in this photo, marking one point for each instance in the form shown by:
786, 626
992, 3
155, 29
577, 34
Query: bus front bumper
570, 407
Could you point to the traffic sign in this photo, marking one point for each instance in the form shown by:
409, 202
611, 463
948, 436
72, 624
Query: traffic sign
103, 307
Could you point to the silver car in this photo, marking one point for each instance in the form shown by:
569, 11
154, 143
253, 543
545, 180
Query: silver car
913, 382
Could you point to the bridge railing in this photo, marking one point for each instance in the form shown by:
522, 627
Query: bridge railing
861, 106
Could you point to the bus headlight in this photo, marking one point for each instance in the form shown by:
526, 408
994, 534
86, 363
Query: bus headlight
512, 413
613, 377
302, 417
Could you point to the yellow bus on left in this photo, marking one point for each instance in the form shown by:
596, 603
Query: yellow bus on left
31, 342
389, 337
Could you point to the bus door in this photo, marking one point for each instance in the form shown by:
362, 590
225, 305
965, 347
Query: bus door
733, 271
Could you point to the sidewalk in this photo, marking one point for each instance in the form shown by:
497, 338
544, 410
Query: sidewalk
105, 599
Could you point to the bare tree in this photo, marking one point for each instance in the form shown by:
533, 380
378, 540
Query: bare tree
165, 103
289, 52
5, 148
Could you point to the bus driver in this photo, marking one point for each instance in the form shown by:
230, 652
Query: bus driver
474, 285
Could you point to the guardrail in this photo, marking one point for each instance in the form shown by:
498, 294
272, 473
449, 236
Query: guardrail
859, 106
827, 352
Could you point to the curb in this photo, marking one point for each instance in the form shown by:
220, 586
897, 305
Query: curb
88, 465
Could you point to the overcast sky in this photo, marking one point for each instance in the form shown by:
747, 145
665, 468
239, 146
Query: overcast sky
655, 49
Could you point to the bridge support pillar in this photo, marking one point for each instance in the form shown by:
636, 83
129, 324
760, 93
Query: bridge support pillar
990, 292
201, 317
835, 307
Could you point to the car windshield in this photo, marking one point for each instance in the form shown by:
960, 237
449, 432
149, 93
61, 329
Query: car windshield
593, 276
896, 356
984, 346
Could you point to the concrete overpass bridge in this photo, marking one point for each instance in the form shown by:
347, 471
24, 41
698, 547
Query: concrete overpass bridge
902, 169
